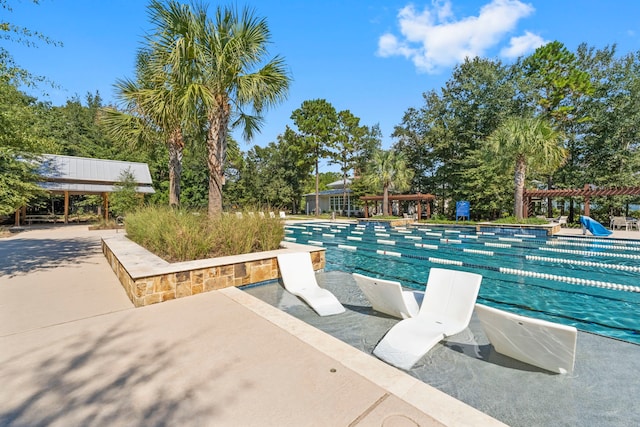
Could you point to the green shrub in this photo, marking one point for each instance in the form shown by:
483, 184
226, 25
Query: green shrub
513, 220
181, 235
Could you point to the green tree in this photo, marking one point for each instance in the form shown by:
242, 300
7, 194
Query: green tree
125, 199
526, 143
348, 141
153, 112
389, 171
220, 66
316, 121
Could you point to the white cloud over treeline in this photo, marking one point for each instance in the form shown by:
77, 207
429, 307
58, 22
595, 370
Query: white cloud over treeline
434, 38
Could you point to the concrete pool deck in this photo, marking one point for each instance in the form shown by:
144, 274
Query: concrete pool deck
74, 351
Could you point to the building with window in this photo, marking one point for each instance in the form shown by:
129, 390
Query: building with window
332, 200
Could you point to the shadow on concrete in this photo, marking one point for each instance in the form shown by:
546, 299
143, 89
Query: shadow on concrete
114, 377
21, 256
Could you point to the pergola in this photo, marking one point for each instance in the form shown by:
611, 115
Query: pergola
70, 175
587, 192
418, 198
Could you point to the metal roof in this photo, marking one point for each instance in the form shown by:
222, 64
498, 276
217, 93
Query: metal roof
85, 175
330, 192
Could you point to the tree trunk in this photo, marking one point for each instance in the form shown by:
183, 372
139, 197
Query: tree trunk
518, 179
385, 200
317, 185
176, 146
344, 190
216, 153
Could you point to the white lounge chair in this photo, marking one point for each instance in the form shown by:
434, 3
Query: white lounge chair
540, 343
387, 296
446, 310
261, 215
272, 215
239, 215
283, 215
299, 278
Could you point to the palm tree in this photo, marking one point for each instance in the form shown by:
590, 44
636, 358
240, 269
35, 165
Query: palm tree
220, 67
388, 169
152, 113
529, 144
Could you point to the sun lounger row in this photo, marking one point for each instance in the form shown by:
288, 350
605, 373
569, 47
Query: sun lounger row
444, 309
261, 214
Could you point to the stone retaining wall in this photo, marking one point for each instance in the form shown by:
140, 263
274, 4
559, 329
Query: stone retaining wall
148, 279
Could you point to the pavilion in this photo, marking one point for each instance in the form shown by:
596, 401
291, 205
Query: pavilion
70, 175
418, 198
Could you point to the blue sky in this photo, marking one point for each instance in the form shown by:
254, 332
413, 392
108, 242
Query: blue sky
374, 58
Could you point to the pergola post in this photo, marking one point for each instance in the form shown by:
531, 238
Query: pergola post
66, 207
366, 209
419, 210
105, 206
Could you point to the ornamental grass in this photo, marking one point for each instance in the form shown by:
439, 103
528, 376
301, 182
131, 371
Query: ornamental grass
181, 235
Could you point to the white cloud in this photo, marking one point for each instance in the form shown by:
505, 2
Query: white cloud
520, 45
433, 38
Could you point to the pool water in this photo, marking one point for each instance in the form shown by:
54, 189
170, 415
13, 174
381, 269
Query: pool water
592, 284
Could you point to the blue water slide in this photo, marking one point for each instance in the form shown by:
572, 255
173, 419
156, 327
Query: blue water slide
594, 226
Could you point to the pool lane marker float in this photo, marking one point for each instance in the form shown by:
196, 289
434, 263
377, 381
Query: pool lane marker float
450, 241
390, 253
509, 239
572, 280
590, 245
296, 227
307, 232
413, 237
386, 242
433, 234
588, 253
290, 239
526, 236
478, 251
404, 231
425, 246
383, 235
288, 231
588, 239
357, 232
354, 238
328, 235
468, 236
497, 245
486, 233
347, 247
314, 242
452, 231
445, 261
584, 263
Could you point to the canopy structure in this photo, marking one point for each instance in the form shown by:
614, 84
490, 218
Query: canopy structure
418, 198
81, 175
587, 192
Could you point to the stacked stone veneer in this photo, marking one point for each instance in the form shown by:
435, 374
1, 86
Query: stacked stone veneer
148, 279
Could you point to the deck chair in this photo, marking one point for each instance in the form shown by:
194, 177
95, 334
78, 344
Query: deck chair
272, 215
446, 310
387, 296
540, 343
261, 215
283, 215
299, 278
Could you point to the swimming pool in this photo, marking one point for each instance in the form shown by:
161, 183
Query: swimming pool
592, 284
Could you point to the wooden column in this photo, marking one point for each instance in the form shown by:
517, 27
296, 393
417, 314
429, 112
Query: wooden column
428, 209
366, 209
586, 205
419, 210
66, 207
105, 206
17, 218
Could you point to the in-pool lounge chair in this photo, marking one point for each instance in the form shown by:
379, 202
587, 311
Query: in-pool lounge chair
540, 343
387, 296
446, 310
299, 278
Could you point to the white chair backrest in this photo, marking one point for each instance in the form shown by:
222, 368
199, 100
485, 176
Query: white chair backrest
261, 214
282, 214
385, 296
239, 215
450, 298
272, 215
297, 271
